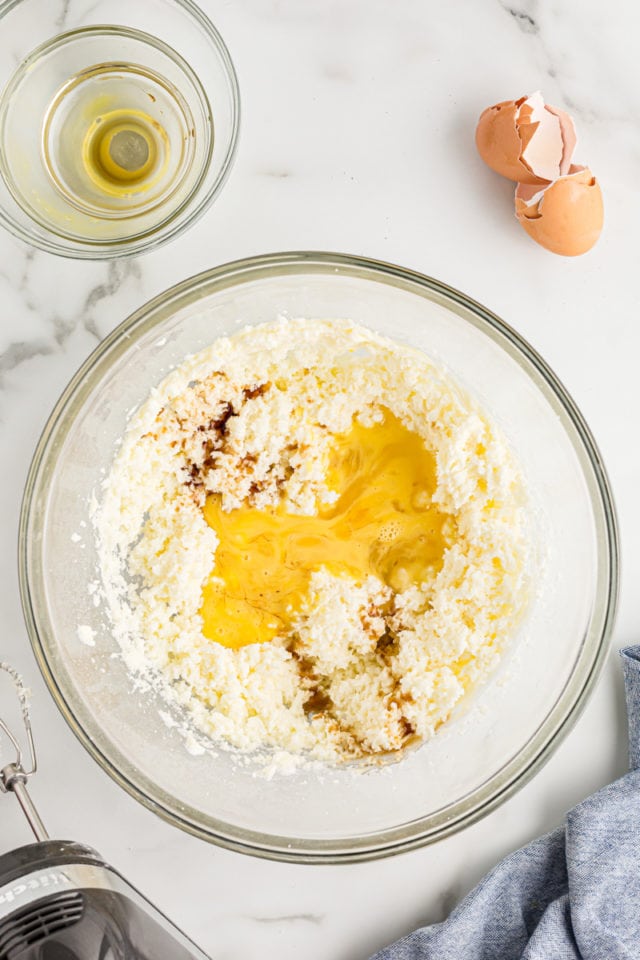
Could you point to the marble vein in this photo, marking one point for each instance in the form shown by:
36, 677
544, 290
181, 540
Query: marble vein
118, 272
524, 20
566, 47
18, 352
61, 19
59, 325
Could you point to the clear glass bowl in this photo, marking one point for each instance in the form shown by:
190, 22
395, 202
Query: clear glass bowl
151, 79
510, 726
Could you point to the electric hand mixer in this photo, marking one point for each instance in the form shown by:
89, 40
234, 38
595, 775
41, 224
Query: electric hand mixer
59, 900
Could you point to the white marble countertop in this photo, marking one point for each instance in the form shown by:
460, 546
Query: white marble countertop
357, 136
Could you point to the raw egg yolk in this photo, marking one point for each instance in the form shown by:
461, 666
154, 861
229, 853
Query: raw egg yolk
383, 523
120, 151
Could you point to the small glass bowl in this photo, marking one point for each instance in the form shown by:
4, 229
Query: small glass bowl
151, 78
511, 725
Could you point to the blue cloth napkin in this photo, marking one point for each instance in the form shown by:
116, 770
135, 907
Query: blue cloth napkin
572, 895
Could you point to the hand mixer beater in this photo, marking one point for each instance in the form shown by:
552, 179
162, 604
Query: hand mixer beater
59, 900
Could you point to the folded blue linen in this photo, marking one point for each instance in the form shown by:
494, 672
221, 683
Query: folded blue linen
571, 895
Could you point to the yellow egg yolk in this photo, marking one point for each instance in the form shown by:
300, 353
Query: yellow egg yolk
120, 151
383, 523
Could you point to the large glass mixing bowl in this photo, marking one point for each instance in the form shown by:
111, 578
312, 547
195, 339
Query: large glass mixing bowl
511, 725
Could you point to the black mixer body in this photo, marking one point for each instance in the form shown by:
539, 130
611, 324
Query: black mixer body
60, 901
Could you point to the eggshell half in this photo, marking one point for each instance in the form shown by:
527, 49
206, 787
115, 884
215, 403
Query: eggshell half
499, 143
567, 216
526, 140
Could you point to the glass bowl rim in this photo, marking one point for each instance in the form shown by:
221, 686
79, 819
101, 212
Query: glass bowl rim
571, 701
185, 216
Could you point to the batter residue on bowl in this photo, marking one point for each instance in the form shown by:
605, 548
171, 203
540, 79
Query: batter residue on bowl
316, 540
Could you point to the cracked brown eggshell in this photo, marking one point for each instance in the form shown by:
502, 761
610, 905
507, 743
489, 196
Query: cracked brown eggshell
526, 140
565, 217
